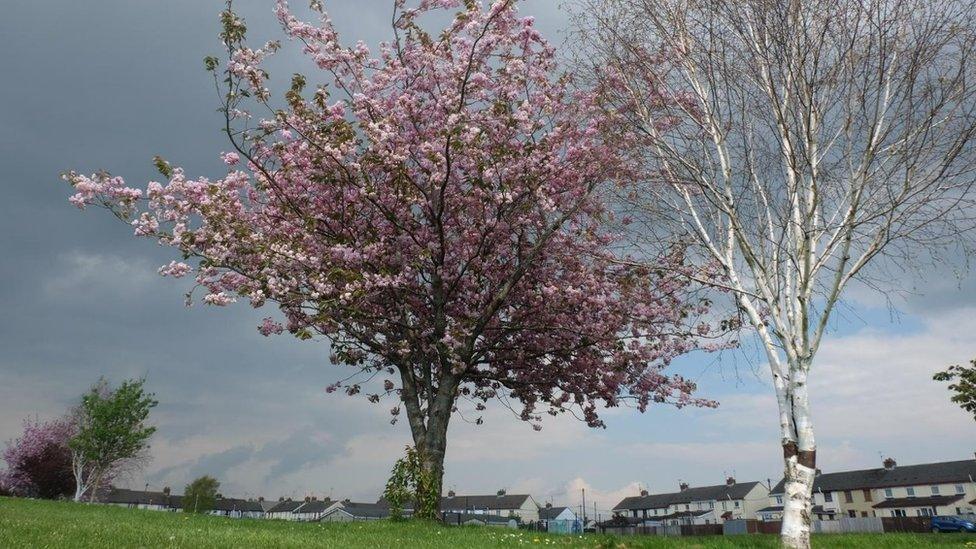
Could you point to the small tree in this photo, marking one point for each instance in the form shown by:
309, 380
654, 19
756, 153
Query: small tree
39, 462
200, 495
409, 485
963, 385
112, 433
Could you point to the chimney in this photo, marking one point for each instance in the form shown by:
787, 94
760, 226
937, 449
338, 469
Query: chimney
260, 498
166, 490
548, 505
889, 464
730, 481
346, 501
683, 486
817, 472
219, 496
307, 499
501, 493
450, 494
643, 493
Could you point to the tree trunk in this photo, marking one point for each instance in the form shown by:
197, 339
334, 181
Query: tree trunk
800, 457
78, 469
433, 451
429, 431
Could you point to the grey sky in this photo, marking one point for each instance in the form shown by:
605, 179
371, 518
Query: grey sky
111, 83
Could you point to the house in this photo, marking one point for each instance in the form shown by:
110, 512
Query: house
479, 519
892, 490
561, 520
521, 506
283, 510
312, 509
703, 505
140, 499
237, 508
349, 511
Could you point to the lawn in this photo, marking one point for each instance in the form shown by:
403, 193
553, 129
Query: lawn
35, 524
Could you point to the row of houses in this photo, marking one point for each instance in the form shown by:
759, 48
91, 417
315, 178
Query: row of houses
928, 489
943, 488
500, 509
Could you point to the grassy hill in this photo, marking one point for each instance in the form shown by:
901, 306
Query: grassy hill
35, 524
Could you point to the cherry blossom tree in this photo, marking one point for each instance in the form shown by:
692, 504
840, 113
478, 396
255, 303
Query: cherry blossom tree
39, 461
435, 212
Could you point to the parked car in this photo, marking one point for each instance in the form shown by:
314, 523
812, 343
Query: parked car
952, 524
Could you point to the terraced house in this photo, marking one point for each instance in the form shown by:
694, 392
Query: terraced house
892, 490
501, 504
702, 505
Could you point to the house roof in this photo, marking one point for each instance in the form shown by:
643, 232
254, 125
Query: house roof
285, 506
550, 513
364, 510
493, 502
931, 501
718, 492
901, 475
315, 506
237, 504
139, 497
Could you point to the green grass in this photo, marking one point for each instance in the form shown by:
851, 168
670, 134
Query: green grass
36, 524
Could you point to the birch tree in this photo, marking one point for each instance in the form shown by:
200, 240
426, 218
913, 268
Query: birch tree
112, 434
801, 143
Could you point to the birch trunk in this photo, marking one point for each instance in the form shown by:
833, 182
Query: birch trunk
78, 469
800, 463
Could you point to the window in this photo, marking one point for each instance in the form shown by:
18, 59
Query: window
852, 513
848, 496
898, 513
960, 489
888, 493
635, 513
687, 507
864, 513
711, 504
736, 504
779, 500
911, 493
644, 513
867, 494
828, 496
723, 505
935, 490
925, 512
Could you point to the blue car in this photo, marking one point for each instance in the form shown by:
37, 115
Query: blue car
952, 524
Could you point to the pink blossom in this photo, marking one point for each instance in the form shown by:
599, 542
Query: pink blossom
175, 269
269, 326
230, 158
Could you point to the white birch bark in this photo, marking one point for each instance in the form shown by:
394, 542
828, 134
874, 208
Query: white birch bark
81, 480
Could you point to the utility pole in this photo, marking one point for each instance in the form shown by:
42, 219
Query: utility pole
583, 490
